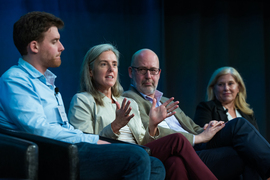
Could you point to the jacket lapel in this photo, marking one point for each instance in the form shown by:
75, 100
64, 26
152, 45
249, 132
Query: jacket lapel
220, 111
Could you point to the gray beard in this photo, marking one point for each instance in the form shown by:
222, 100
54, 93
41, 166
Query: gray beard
148, 90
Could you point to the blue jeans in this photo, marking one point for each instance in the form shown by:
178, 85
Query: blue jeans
118, 161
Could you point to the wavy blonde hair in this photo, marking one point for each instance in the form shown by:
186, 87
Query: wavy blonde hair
240, 100
87, 84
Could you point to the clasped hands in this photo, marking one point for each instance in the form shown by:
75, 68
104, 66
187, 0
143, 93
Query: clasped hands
209, 132
156, 114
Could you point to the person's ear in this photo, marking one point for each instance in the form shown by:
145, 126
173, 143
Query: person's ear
34, 46
91, 72
130, 71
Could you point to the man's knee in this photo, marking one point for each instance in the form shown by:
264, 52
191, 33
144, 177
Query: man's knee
157, 166
177, 136
138, 153
180, 138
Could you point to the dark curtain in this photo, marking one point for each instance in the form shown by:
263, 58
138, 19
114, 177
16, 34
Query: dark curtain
192, 39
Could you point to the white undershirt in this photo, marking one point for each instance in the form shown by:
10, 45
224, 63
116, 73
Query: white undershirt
126, 135
230, 117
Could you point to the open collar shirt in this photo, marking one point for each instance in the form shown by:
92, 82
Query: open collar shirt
170, 122
28, 102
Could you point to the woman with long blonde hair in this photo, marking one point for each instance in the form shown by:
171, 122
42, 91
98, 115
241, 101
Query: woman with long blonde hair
226, 99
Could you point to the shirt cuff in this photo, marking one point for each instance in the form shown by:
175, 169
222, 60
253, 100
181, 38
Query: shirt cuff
92, 138
153, 137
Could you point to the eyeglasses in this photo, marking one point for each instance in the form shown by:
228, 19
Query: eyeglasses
143, 71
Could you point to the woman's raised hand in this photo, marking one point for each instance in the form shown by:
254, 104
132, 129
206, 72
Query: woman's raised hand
122, 116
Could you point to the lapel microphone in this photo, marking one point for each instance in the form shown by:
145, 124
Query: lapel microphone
56, 90
226, 110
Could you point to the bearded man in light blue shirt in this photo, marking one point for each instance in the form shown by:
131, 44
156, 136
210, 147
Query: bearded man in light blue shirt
30, 102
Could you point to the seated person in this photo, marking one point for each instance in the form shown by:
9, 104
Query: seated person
100, 109
238, 148
226, 94
29, 103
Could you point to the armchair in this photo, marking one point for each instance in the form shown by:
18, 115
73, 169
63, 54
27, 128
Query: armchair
19, 158
57, 159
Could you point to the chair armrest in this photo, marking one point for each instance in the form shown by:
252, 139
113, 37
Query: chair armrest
19, 158
57, 159
147, 149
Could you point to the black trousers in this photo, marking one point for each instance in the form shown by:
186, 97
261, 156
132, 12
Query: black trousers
237, 149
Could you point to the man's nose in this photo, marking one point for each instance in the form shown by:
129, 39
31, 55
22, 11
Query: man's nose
148, 73
61, 47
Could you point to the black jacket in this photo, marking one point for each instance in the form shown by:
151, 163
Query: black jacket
213, 110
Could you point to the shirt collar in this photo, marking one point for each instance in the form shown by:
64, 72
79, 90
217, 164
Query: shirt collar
158, 95
106, 99
48, 75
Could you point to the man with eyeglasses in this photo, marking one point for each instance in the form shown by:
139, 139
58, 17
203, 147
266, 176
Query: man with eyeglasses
225, 149
30, 102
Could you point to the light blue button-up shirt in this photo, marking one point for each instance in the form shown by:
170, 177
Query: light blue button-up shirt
28, 102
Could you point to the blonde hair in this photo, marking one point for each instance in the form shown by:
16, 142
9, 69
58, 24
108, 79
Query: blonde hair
87, 84
240, 100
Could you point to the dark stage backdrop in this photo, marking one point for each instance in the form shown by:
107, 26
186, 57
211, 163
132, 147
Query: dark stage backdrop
192, 39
